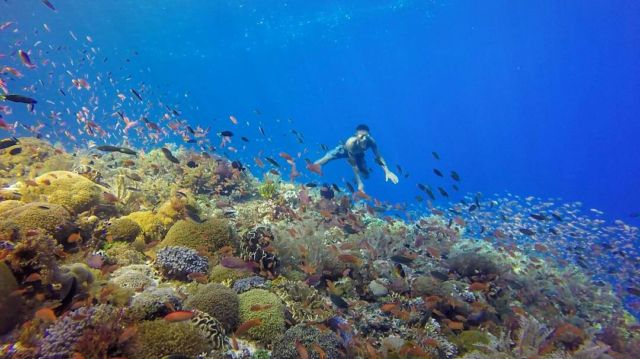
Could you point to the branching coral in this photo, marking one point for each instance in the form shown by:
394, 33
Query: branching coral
178, 262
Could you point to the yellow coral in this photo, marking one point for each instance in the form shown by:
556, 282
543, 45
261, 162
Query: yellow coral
67, 189
51, 218
272, 318
152, 226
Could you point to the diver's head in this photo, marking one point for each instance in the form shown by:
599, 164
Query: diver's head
362, 131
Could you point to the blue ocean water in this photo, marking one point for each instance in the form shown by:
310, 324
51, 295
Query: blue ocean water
532, 98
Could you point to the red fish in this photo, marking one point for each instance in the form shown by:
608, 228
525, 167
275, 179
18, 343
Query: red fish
314, 167
5, 25
12, 71
26, 61
236, 263
179, 316
244, 327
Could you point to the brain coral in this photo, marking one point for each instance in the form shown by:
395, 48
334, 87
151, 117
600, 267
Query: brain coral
155, 339
123, 229
52, 218
272, 317
71, 190
285, 347
134, 276
218, 301
212, 234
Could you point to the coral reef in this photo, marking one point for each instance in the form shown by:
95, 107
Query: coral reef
133, 276
123, 229
220, 274
271, 317
78, 330
37, 157
155, 302
312, 339
157, 338
178, 262
50, 218
255, 247
211, 234
70, 190
8, 284
218, 301
303, 302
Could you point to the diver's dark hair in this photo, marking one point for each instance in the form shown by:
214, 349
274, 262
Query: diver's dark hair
362, 127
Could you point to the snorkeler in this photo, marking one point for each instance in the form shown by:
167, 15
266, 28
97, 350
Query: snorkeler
353, 150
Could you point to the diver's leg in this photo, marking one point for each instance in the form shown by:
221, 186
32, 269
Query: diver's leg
334, 154
356, 174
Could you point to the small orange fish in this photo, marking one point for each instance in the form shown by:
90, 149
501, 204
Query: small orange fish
307, 269
302, 351
389, 307
233, 119
362, 195
127, 334
286, 156
77, 355
198, 277
315, 168
455, 325
244, 327
479, 287
108, 197
433, 252
350, 258
540, 247
318, 349
258, 162
74, 237
179, 316
33, 277
259, 307
234, 342
46, 314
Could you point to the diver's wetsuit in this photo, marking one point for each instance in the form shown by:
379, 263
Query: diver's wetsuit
341, 152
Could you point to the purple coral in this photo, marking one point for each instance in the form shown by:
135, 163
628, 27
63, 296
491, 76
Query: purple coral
177, 262
61, 338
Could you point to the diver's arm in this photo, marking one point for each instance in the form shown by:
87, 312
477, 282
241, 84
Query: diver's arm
388, 175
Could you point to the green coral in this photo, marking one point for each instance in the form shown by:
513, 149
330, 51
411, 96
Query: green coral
218, 301
123, 254
467, 340
73, 191
155, 339
272, 317
212, 234
123, 229
11, 303
51, 218
220, 274
268, 189
261, 354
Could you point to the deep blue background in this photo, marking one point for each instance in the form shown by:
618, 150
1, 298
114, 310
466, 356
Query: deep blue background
537, 98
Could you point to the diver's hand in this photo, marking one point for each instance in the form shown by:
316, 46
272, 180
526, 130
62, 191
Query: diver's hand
390, 176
